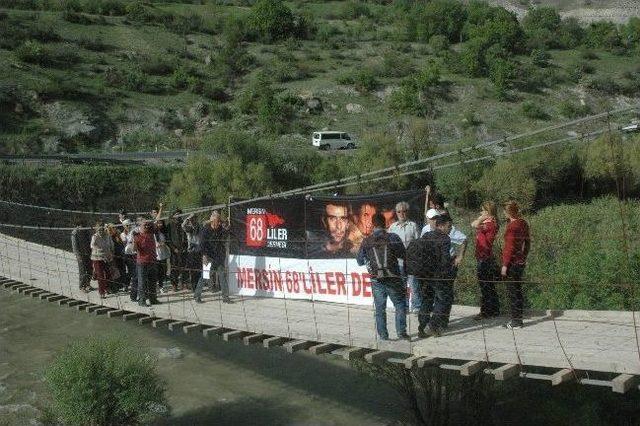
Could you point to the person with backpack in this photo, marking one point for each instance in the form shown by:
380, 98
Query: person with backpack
429, 260
380, 251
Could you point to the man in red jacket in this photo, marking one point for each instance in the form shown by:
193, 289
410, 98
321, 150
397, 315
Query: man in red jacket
145, 246
514, 258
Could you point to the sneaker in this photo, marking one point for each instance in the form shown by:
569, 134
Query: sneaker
513, 324
226, 299
199, 301
404, 336
421, 333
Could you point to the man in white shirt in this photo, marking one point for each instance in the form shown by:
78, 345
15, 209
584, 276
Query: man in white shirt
407, 230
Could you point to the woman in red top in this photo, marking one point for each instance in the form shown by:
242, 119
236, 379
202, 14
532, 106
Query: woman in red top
486, 226
514, 259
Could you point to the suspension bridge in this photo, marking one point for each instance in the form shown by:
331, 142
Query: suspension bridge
590, 347
599, 348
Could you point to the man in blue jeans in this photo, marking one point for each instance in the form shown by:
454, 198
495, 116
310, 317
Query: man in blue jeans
380, 251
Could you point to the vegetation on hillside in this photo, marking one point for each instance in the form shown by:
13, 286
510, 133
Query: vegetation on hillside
95, 74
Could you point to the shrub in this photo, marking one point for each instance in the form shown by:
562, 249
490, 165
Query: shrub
533, 111
34, 53
604, 84
215, 92
416, 93
76, 18
276, 112
541, 25
157, 65
502, 72
570, 34
365, 81
272, 20
439, 17
573, 110
540, 57
603, 35
184, 24
395, 64
37, 53
95, 44
104, 382
138, 13
232, 59
507, 180
439, 44
354, 10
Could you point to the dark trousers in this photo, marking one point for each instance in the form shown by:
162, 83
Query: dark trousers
194, 268
161, 272
85, 271
513, 281
487, 275
130, 275
146, 283
179, 274
437, 299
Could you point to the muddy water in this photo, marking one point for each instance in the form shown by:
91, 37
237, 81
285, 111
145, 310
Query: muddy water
208, 382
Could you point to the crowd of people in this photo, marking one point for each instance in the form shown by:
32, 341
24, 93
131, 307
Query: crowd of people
139, 257
427, 261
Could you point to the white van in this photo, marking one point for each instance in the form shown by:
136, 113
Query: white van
333, 140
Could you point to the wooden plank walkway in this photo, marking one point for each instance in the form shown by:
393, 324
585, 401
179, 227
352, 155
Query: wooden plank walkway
604, 341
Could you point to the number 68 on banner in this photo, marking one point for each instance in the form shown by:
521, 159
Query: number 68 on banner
256, 232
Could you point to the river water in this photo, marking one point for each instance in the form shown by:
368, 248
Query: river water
208, 381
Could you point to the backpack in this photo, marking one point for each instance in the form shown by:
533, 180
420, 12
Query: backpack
422, 258
380, 259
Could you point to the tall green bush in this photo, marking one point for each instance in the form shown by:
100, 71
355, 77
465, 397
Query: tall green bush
507, 180
272, 20
104, 382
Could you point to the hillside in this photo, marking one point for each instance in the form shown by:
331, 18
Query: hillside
619, 11
105, 75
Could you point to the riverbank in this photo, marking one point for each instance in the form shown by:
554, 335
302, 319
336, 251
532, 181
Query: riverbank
208, 382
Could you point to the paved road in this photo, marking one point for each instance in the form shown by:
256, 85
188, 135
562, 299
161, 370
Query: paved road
584, 340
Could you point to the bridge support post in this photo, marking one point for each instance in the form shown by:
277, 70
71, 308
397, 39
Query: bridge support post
624, 383
274, 341
505, 372
298, 345
377, 357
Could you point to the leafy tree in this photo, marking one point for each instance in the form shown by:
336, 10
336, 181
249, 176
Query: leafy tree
104, 382
507, 180
570, 34
630, 33
541, 26
603, 35
272, 20
502, 73
472, 58
501, 28
440, 17
205, 182
416, 93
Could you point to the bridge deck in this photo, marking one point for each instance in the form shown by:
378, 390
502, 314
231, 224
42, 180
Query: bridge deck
584, 340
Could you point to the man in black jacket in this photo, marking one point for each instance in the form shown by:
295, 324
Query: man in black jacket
81, 245
435, 274
213, 244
